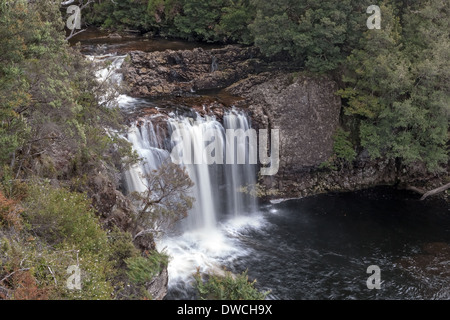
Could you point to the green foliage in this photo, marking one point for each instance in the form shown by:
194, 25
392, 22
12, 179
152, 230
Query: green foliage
58, 104
48, 266
167, 198
343, 148
125, 14
62, 217
60, 230
398, 84
319, 33
228, 287
199, 19
234, 22
143, 269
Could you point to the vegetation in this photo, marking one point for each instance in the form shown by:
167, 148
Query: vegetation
395, 83
53, 114
397, 86
143, 269
166, 199
54, 150
228, 287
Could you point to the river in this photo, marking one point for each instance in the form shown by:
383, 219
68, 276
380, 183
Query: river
313, 248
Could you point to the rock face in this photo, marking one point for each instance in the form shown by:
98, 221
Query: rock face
157, 288
304, 109
179, 72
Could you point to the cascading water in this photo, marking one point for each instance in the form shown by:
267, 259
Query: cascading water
300, 249
207, 240
146, 144
239, 175
216, 184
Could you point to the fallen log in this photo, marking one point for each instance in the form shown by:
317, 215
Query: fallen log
425, 194
435, 191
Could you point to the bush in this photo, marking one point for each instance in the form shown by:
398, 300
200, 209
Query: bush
343, 147
228, 287
60, 216
143, 269
10, 213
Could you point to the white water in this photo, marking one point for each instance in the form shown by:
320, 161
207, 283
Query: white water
210, 233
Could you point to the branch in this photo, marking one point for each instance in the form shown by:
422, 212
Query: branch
426, 194
72, 34
415, 189
144, 232
66, 3
435, 191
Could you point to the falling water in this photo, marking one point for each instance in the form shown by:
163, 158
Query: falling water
145, 141
216, 186
220, 209
300, 249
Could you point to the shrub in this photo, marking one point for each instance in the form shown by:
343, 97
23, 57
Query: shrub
10, 213
143, 269
228, 287
27, 288
60, 216
343, 147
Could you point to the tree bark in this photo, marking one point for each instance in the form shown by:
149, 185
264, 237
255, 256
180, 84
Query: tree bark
425, 194
435, 191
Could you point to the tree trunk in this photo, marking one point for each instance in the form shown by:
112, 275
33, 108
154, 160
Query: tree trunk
435, 191
425, 194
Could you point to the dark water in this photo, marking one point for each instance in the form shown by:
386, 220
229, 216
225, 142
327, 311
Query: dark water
91, 39
320, 247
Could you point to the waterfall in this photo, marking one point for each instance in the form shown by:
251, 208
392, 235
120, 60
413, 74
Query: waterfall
217, 185
144, 139
239, 175
208, 237
216, 188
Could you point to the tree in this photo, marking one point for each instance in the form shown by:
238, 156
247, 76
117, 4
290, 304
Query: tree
398, 87
166, 199
319, 33
58, 104
236, 16
199, 19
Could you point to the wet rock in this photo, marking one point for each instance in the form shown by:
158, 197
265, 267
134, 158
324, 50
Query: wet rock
157, 288
180, 72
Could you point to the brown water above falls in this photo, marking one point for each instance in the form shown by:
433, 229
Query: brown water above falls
122, 43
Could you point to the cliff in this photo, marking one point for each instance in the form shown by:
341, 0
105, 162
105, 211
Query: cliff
304, 107
307, 110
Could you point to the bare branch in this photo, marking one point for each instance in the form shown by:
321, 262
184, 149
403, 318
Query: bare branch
426, 194
435, 191
72, 34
